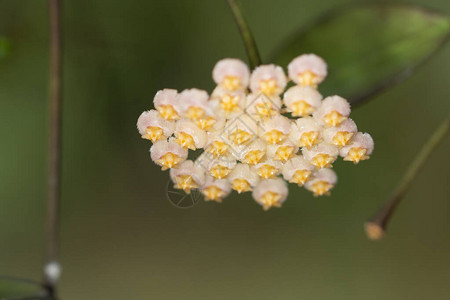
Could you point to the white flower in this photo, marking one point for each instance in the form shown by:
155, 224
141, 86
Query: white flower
268, 79
215, 190
231, 103
252, 153
332, 111
241, 130
276, 129
166, 102
189, 135
297, 170
246, 140
282, 152
153, 127
217, 167
270, 193
167, 154
259, 106
269, 168
231, 74
193, 103
307, 69
305, 132
322, 182
360, 147
187, 176
242, 178
302, 100
341, 134
321, 155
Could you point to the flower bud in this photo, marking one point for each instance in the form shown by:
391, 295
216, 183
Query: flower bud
167, 103
322, 182
167, 154
153, 127
360, 147
268, 79
307, 69
270, 193
231, 74
302, 101
297, 170
321, 155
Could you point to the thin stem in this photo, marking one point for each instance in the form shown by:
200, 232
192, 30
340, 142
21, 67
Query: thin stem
376, 226
246, 34
54, 148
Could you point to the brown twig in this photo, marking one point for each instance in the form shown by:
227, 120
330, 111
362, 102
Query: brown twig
54, 148
376, 226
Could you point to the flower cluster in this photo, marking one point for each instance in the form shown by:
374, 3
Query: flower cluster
249, 142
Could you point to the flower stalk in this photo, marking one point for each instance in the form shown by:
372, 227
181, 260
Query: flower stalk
376, 226
51, 268
246, 34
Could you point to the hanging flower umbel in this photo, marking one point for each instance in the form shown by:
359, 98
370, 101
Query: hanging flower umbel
248, 142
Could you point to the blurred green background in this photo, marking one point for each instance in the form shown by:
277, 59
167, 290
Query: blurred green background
121, 238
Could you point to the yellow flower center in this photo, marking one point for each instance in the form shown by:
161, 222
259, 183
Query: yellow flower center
309, 78
309, 139
153, 133
168, 112
322, 160
253, 157
341, 138
241, 185
169, 160
284, 153
231, 83
301, 109
239, 137
320, 188
186, 183
356, 154
264, 110
219, 171
213, 193
195, 112
334, 118
269, 87
270, 199
229, 103
300, 177
185, 140
267, 171
205, 123
217, 148
274, 136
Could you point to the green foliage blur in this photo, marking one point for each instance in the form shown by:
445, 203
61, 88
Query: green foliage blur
121, 237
